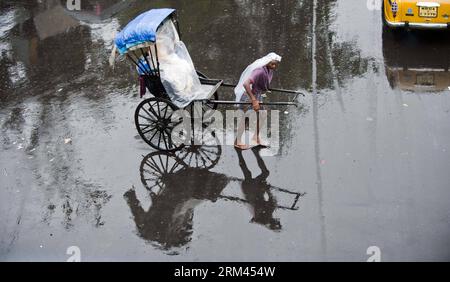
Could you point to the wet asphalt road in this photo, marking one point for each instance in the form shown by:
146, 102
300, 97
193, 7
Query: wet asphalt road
367, 156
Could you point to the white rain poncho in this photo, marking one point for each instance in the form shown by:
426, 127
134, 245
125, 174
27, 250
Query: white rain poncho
240, 90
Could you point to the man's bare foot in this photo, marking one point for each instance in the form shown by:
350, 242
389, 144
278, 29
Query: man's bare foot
241, 146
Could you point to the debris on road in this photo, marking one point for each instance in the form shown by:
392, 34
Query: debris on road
68, 141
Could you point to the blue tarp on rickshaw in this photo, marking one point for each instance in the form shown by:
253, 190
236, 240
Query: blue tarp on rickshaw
142, 29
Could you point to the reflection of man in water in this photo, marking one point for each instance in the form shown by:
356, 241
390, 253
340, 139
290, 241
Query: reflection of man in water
169, 220
257, 192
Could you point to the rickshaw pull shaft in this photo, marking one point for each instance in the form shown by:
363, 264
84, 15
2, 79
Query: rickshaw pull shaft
271, 89
248, 103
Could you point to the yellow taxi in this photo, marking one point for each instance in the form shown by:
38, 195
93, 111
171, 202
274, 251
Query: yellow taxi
427, 14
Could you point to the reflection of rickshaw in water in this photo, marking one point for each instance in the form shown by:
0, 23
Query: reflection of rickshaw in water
179, 181
418, 61
152, 42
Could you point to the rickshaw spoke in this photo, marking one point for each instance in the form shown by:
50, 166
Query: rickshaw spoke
153, 169
206, 151
165, 110
188, 156
169, 135
146, 125
148, 131
206, 155
212, 152
153, 136
210, 157
154, 186
161, 162
148, 163
190, 159
174, 167
159, 109
203, 159
167, 142
174, 124
148, 113
199, 156
157, 168
150, 187
153, 179
167, 163
153, 110
146, 118
184, 156
148, 171
159, 139
164, 139
145, 128
153, 165
196, 159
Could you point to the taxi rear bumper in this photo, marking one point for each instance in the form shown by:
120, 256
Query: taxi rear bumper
418, 25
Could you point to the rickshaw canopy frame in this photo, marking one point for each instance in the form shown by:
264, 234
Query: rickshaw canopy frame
143, 29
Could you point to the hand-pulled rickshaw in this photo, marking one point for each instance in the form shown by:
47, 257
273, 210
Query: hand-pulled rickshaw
152, 43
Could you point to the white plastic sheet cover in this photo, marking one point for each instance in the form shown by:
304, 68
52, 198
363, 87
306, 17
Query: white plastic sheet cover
178, 73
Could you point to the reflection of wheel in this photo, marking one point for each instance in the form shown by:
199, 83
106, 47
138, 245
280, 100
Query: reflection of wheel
156, 167
153, 120
204, 156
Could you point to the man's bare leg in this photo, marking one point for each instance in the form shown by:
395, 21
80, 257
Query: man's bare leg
238, 143
262, 117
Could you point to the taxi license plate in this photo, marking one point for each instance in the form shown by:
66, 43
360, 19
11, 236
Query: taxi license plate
428, 12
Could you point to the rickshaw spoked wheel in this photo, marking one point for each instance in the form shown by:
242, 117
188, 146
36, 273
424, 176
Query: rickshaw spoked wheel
153, 118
